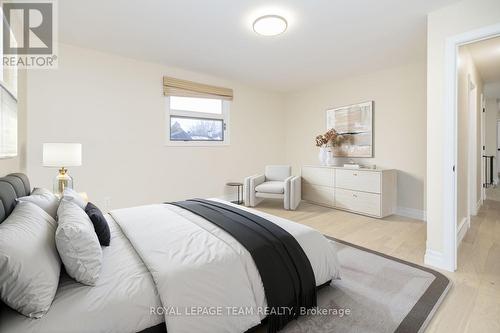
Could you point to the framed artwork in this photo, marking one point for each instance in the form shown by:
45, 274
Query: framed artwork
355, 123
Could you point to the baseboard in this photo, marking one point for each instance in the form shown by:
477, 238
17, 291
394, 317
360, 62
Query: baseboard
413, 213
435, 259
463, 227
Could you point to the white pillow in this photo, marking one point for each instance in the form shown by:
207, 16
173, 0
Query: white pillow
44, 199
29, 263
73, 196
78, 244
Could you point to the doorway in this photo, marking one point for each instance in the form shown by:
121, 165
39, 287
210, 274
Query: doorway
498, 148
473, 183
493, 191
455, 216
483, 149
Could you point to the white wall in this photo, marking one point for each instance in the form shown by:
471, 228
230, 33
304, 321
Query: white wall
114, 106
399, 125
442, 24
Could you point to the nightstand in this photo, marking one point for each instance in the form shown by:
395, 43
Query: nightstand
239, 187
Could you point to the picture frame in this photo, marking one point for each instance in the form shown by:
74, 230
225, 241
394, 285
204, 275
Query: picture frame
355, 123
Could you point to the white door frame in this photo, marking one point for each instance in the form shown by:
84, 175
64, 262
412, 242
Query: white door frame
472, 147
483, 148
450, 139
496, 168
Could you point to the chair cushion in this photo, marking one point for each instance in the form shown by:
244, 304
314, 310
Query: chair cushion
271, 187
278, 172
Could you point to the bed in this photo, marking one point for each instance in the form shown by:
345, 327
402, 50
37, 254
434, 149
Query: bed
163, 257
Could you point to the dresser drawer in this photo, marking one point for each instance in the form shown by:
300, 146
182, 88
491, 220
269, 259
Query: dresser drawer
362, 202
358, 180
318, 194
318, 176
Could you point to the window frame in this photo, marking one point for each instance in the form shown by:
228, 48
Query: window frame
15, 152
9, 76
224, 116
9, 85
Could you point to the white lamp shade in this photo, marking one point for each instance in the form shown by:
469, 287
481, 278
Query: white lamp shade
62, 154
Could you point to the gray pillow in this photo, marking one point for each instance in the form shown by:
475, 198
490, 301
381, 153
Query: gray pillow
73, 196
78, 244
44, 199
29, 263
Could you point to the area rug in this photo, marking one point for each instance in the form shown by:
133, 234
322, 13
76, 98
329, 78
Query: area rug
377, 293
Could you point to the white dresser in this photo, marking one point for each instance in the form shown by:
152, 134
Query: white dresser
371, 192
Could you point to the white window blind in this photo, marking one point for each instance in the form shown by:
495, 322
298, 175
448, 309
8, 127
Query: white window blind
184, 88
8, 124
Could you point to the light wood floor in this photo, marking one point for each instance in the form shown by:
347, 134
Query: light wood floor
493, 193
473, 303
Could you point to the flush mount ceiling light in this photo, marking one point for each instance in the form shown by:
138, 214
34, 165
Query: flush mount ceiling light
270, 25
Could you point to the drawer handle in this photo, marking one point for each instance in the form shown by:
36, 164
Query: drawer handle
354, 195
354, 174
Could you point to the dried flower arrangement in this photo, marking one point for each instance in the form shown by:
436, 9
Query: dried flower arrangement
330, 139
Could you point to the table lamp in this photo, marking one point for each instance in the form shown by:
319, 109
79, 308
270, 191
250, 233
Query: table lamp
62, 155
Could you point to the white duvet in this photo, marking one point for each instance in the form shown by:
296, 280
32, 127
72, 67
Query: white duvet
206, 280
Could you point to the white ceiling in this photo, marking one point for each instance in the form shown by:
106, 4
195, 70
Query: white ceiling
325, 40
486, 56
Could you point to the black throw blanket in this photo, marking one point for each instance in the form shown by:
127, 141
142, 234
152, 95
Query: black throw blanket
284, 268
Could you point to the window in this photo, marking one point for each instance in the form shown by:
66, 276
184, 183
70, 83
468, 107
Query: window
8, 74
197, 120
193, 104
196, 114
8, 107
8, 124
196, 129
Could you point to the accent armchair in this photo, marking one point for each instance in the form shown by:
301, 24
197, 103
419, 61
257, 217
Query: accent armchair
276, 183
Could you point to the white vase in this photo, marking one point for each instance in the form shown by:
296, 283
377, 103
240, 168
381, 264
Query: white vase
322, 156
329, 158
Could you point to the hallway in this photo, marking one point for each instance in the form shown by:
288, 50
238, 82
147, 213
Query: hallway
476, 292
493, 193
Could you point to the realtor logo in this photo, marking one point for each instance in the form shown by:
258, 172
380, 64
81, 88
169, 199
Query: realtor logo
29, 32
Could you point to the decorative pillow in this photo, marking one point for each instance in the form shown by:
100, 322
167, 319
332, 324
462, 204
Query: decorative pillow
100, 224
29, 263
73, 196
77, 244
44, 199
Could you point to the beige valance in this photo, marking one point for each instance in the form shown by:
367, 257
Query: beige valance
178, 87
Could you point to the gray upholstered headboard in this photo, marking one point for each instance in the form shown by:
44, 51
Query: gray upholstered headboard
12, 187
